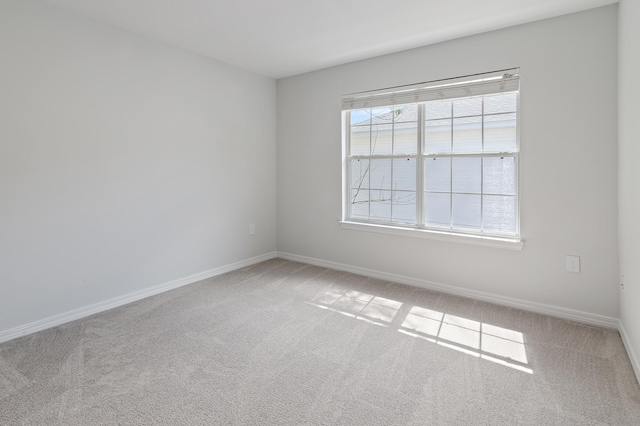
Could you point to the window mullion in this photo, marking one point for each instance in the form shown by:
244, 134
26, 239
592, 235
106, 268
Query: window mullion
369, 168
451, 173
482, 170
420, 168
393, 163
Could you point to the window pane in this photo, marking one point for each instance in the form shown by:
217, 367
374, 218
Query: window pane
359, 199
405, 113
360, 136
437, 209
467, 106
380, 205
503, 102
437, 136
361, 117
381, 139
499, 213
466, 175
380, 174
359, 171
404, 174
500, 132
437, 109
466, 211
499, 175
382, 115
405, 129
467, 134
404, 206
405, 138
437, 174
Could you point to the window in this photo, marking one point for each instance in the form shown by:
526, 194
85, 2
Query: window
439, 156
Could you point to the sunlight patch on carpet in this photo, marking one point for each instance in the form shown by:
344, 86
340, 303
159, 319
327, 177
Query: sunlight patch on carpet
484, 341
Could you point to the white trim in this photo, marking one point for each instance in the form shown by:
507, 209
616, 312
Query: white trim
86, 311
420, 156
635, 362
450, 237
554, 311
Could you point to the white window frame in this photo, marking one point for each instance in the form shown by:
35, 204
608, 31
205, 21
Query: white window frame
483, 84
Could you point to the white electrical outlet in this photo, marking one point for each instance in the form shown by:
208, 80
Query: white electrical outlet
573, 263
252, 229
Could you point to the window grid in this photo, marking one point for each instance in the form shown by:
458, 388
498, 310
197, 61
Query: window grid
421, 156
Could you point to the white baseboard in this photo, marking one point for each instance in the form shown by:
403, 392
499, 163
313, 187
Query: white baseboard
629, 347
554, 311
578, 316
86, 311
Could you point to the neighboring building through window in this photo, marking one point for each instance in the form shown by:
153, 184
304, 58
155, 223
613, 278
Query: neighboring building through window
439, 156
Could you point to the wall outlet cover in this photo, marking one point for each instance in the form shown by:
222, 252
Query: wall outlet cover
573, 263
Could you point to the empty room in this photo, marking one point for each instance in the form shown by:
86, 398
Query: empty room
319, 213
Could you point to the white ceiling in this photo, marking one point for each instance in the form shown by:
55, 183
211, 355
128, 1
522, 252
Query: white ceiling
279, 38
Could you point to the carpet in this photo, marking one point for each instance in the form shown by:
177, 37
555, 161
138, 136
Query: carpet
285, 343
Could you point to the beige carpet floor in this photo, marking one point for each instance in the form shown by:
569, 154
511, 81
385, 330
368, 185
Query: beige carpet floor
283, 343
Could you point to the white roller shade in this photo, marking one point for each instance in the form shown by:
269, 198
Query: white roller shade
480, 84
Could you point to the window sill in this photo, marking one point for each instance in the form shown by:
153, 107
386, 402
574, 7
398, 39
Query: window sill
450, 237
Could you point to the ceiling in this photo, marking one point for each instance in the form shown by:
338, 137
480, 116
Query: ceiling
280, 38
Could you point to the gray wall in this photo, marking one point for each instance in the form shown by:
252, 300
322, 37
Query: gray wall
124, 163
568, 164
629, 175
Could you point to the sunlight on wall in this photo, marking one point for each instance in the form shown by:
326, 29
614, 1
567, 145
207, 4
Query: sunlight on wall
485, 341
